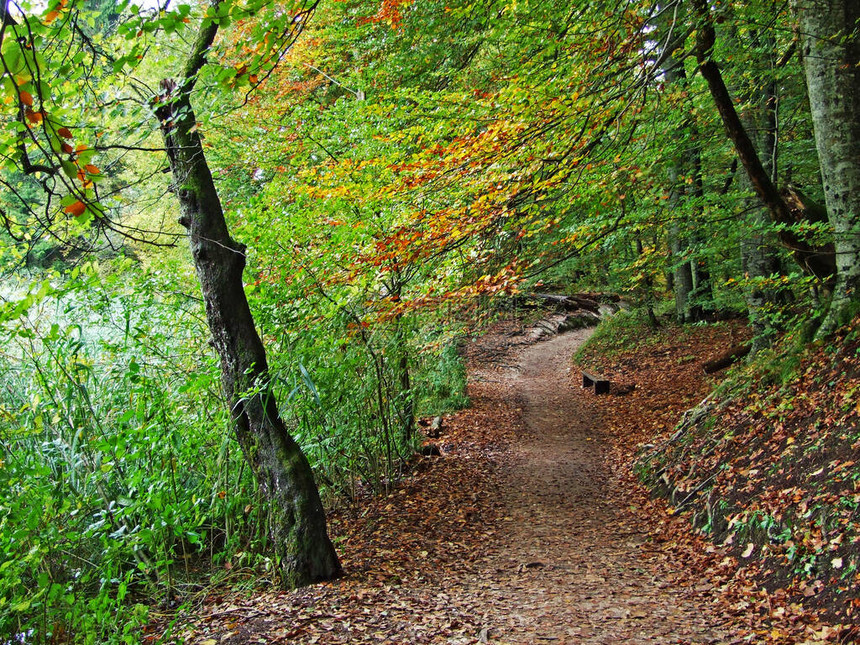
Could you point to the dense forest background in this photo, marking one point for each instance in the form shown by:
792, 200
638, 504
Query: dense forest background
362, 185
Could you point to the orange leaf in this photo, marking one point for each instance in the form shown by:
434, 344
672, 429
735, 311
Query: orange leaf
93, 170
80, 148
51, 16
34, 117
76, 209
67, 148
26, 97
65, 133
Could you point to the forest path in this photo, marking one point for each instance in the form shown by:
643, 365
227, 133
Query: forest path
570, 565
519, 533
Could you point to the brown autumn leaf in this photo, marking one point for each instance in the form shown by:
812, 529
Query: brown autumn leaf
76, 209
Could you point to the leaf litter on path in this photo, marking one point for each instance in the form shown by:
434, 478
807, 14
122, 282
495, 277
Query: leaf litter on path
521, 532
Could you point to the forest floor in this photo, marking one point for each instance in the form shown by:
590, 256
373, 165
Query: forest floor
528, 528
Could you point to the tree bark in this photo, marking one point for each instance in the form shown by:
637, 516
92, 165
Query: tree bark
682, 274
284, 476
405, 395
831, 61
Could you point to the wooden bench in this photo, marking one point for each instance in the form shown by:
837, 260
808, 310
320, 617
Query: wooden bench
591, 380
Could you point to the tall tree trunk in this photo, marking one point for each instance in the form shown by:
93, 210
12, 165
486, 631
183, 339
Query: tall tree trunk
298, 524
682, 273
678, 244
648, 296
757, 255
407, 410
406, 403
703, 288
684, 167
831, 60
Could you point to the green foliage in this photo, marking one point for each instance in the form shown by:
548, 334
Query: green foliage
118, 473
395, 165
344, 389
441, 385
626, 329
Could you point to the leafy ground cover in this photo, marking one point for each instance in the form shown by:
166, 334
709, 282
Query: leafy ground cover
765, 468
769, 471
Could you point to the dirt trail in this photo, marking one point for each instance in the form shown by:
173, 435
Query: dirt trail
519, 533
570, 566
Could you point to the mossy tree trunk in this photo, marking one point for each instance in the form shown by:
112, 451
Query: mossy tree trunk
298, 524
831, 60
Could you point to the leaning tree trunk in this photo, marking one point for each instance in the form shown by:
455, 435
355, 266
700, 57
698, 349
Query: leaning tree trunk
831, 60
298, 524
816, 261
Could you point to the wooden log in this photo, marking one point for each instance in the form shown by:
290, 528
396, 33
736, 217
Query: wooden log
725, 359
568, 303
563, 303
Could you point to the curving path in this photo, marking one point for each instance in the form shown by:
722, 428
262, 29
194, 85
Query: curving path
518, 534
569, 568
